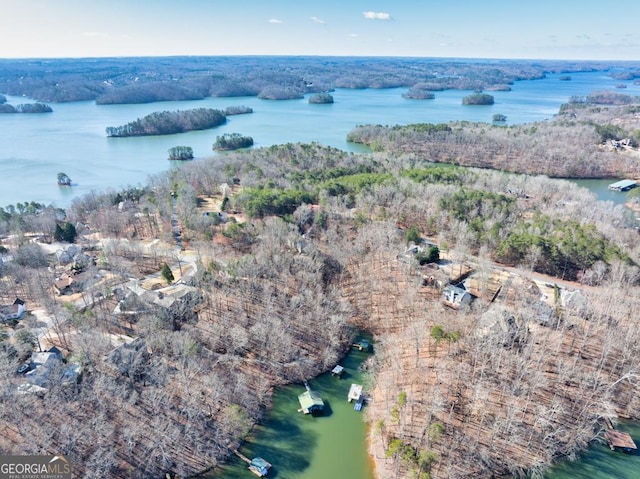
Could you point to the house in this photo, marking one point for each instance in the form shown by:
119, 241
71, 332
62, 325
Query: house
130, 359
63, 285
456, 296
43, 364
12, 311
179, 299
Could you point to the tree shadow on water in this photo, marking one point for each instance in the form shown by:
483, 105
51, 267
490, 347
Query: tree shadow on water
284, 444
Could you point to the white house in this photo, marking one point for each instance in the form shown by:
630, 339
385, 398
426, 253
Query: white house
455, 296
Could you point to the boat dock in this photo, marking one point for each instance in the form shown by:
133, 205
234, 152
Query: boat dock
618, 439
337, 371
355, 392
363, 345
623, 185
257, 465
310, 401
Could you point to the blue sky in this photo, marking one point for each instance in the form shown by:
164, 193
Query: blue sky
560, 29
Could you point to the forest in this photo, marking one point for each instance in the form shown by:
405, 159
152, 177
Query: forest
285, 251
144, 80
580, 142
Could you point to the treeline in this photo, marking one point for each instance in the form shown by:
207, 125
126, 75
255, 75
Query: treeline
169, 122
25, 108
142, 80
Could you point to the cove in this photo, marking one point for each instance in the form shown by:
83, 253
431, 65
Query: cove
599, 462
299, 446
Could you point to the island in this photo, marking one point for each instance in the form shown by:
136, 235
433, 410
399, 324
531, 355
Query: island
170, 122
478, 99
232, 141
181, 153
320, 98
237, 110
25, 108
63, 179
420, 91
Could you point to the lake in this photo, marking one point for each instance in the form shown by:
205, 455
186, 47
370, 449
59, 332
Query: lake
72, 139
302, 446
35, 148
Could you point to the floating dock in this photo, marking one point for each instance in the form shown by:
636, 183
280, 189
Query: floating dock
623, 185
618, 439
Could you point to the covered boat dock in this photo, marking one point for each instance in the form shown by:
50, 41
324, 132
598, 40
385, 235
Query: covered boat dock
623, 185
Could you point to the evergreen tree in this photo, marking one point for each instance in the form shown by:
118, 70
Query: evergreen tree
166, 273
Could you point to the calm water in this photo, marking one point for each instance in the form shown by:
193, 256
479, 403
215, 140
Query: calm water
600, 462
35, 148
306, 447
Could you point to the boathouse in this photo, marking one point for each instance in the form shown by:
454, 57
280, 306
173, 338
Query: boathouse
623, 185
355, 392
310, 402
259, 466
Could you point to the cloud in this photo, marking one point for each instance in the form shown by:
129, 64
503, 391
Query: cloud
275, 20
317, 20
95, 34
376, 15
353, 35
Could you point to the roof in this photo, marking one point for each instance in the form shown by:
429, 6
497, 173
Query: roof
623, 185
260, 463
310, 399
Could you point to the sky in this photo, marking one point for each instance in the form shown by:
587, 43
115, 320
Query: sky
522, 29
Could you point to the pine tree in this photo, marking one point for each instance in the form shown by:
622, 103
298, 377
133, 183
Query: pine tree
166, 273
